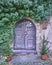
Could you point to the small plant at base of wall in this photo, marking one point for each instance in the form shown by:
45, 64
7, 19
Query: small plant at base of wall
44, 49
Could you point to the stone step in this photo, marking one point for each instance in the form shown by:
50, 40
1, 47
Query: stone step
24, 51
24, 58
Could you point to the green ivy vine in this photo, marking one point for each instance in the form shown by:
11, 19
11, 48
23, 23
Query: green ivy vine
12, 10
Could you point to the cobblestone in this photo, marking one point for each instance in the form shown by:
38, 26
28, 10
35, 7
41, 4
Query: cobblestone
32, 63
30, 60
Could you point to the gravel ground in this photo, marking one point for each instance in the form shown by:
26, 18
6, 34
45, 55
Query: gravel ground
27, 60
36, 62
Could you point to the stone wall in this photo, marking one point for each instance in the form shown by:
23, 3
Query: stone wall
48, 35
40, 32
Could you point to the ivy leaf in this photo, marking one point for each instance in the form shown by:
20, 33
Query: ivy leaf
1, 23
5, 20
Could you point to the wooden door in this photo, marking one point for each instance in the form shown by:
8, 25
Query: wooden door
25, 36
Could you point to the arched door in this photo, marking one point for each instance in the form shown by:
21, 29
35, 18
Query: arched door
25, 36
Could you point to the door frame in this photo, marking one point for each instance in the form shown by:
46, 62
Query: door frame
21, 20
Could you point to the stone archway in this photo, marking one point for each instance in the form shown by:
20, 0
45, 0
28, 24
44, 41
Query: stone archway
25, 36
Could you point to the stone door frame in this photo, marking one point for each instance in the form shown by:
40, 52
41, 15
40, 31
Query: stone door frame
37, 33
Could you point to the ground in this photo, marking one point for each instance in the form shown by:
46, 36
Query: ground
30, 59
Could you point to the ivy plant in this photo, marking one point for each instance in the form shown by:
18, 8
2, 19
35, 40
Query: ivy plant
12, 10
